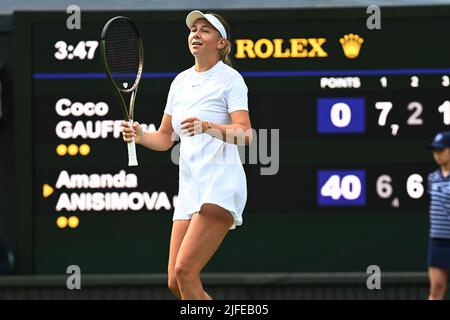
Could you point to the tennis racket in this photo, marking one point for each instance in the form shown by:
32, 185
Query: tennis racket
123, 60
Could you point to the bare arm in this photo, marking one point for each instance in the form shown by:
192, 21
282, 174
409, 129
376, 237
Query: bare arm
238, 132
160, 140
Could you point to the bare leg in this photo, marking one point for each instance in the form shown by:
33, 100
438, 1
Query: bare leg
203, 237
179, 228
438, 283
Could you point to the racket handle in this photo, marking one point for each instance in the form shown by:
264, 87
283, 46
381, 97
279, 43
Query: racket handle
132, 158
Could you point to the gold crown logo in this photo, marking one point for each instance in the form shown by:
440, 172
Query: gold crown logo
351, 43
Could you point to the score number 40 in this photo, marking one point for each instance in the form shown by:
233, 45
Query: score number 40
341, 187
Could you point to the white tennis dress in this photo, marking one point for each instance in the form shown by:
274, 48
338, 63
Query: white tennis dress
210, 169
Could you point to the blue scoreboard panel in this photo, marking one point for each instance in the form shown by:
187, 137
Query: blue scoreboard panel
337, 169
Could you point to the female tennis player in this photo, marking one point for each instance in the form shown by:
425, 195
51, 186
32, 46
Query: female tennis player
207, 108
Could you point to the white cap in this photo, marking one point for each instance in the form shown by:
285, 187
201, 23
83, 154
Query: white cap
194, 15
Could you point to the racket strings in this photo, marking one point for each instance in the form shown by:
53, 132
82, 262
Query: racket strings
122, 53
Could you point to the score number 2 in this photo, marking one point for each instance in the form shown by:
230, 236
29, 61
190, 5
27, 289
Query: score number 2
83, 50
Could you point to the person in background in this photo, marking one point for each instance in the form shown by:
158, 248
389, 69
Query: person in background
439, 242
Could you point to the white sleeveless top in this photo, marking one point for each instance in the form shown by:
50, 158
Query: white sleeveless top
210, 170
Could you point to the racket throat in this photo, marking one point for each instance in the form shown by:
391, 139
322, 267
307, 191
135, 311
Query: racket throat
131, 109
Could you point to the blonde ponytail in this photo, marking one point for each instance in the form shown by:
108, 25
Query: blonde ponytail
225, 54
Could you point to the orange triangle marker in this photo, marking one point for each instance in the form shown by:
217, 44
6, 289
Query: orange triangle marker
47, 190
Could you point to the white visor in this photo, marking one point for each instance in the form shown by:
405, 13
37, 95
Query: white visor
194, 15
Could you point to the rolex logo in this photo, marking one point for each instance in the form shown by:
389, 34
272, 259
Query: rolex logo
351, 43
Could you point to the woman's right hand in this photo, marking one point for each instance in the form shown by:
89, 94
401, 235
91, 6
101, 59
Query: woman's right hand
132, 133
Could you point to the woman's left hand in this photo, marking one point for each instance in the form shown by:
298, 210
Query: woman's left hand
194, 126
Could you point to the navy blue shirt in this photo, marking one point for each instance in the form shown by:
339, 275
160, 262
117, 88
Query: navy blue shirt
439, 190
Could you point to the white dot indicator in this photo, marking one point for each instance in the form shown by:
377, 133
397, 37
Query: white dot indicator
395, 202
70, 48
394, 129
70, 56
125, 85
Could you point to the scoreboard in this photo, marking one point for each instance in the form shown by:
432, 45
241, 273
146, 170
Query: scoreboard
342, 116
